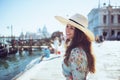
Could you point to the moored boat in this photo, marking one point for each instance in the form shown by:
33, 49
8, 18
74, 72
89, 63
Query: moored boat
3, 51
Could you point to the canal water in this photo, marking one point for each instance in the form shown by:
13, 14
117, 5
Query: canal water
14, 64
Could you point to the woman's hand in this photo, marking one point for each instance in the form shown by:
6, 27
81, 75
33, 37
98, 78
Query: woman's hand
70, 77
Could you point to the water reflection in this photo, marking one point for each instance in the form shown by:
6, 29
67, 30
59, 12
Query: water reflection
14, 64
4, 64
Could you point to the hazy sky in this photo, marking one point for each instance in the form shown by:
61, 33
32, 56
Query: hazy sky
30, 15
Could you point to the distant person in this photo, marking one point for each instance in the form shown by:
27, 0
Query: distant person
46, 53
62, 45
56, 44
118, 36
101, 38
79, 59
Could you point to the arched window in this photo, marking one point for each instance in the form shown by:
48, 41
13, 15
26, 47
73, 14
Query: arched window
118, 18
104, 19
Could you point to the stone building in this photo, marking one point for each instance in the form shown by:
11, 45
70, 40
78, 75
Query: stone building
105, 21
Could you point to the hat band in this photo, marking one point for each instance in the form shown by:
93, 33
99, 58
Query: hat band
76, 22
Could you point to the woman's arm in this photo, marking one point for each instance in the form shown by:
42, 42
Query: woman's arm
78, 64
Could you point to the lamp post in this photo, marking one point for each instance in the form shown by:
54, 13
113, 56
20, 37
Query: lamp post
11, 31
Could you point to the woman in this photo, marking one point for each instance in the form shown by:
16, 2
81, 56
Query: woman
79, 60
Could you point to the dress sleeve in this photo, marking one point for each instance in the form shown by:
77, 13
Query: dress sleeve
78, 64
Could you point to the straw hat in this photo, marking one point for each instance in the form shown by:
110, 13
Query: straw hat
78, 21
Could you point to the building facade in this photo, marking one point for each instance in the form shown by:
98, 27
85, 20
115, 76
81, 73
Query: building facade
105, 22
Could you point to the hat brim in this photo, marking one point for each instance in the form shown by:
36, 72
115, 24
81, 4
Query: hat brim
87, 32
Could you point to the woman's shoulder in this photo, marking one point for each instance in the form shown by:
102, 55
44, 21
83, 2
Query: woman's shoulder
78, 51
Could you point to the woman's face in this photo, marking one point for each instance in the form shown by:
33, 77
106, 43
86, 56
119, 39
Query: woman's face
69, 31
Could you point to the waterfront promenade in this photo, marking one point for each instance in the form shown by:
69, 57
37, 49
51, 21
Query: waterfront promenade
107, 65
48, 69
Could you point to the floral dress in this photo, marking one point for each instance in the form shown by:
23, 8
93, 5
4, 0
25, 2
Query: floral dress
78, 65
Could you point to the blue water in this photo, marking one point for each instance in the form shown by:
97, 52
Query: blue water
14, 64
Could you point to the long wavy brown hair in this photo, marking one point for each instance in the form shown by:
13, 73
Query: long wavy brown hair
81, 40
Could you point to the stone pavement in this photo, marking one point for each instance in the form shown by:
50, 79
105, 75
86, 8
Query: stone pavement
107, 65
48, 69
